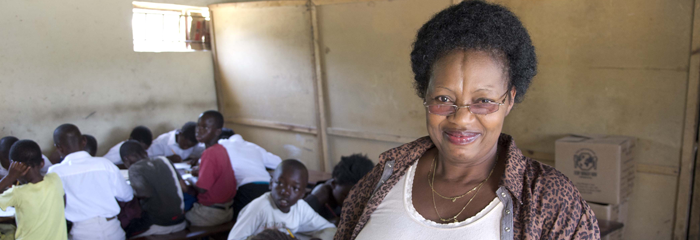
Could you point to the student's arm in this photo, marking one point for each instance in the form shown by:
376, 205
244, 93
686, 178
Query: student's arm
315, 224
122, 191
210, 169
138, 183
183, 184
249, 221
270, 160
7, 199
17, 169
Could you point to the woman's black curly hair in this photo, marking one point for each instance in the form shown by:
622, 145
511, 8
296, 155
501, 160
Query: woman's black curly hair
479, 26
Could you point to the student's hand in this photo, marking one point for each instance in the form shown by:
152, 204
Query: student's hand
175, 158
17, 169
194, 162
195, 171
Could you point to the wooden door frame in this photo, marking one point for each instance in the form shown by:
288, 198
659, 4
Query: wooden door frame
690, 131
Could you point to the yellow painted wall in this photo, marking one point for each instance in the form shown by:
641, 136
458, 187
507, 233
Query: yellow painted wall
73, 62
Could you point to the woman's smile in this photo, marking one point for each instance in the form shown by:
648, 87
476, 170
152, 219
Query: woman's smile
461, 137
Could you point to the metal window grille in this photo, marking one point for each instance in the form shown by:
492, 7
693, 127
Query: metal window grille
167, 30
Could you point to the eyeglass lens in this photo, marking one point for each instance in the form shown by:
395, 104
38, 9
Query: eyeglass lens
478, 108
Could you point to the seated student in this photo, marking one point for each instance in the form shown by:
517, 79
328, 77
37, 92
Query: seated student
38, 203
93, 185
281, 208
158, 186
90, 144
216, 185
5, 145
197, 153
226, 133
249, 162
140, 133
327, 198
90, 147
176, 145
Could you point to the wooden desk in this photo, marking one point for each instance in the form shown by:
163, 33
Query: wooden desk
607, 227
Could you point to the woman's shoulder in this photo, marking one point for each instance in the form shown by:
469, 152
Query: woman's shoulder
549, 187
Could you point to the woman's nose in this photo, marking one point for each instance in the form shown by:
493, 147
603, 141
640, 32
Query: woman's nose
463, 115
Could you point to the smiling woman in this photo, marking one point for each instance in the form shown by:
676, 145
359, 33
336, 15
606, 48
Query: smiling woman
472, 63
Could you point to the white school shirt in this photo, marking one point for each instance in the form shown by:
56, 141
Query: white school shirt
396, 218
249, 160
43, 170
113, 154
262, 213
166, 145
91, 185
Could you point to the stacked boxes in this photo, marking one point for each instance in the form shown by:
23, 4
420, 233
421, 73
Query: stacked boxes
603, 170
611, 212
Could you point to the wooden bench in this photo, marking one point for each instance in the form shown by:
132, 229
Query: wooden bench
193, 232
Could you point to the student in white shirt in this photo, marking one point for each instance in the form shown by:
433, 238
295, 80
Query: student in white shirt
177, 145
281, 209
250, 162
5, 145
93, 185
140, 133
90, 147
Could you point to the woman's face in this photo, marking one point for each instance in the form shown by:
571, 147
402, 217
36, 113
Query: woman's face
461, 78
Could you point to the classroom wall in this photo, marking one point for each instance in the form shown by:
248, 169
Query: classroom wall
73, 62
605, 67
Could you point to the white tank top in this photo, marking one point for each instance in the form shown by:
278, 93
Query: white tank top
396, 218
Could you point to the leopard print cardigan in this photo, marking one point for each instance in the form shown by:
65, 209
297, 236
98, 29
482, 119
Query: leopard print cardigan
545, 204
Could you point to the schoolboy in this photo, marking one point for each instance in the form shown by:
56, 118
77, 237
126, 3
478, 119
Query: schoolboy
281, 209
177, 145
5, 145
216, 185
250, 163
38, 203
90, 147
93, 185
158, 186
140, 133
90, 144
327, 198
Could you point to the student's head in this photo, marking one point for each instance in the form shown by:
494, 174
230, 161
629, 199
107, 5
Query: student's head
28, 153
347, 173
90, 144
209, 126
5, 145
131, 152
185, 136
226, 133
288, 184
143, 135
271, 234
68, 139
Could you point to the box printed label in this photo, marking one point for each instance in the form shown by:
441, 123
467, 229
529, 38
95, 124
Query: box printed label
585, 163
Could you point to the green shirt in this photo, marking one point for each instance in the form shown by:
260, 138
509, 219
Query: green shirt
39, 209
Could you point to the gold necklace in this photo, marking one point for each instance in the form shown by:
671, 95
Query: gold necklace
454, 218
433, 165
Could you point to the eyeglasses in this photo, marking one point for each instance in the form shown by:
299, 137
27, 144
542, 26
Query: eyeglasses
474, 108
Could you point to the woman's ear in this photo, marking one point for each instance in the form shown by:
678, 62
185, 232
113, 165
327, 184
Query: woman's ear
511, 100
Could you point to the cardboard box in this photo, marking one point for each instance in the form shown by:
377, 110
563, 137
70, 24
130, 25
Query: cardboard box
601, 167
611, 212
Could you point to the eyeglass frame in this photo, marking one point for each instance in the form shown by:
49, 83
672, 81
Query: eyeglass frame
457, 107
